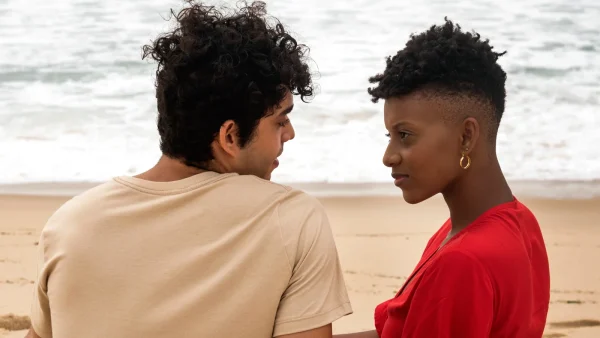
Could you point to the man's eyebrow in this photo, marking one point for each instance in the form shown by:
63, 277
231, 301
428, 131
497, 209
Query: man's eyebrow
287, 110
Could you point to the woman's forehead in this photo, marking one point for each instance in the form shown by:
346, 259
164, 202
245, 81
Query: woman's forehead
414, 110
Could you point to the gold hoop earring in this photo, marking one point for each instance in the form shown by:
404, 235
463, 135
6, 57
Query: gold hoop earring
462, 161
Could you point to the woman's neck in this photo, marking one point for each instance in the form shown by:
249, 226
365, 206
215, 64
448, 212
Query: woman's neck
475, 194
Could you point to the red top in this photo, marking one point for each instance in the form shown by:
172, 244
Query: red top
490, 280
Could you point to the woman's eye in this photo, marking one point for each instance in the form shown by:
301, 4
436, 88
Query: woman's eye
402, 135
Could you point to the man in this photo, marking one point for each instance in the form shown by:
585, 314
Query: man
202, 244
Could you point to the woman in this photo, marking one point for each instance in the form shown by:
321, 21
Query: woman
485, 272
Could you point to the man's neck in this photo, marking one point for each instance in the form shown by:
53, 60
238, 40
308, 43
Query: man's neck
168, 170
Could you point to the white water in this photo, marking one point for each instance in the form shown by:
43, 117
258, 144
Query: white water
77, 103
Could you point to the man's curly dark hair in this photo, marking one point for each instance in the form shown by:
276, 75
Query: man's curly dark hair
447, 61
216, 66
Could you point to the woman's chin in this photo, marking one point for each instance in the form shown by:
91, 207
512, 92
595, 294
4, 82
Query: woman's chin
413, 197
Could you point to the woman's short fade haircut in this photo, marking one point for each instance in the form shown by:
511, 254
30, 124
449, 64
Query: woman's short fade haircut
446, 61
218, 65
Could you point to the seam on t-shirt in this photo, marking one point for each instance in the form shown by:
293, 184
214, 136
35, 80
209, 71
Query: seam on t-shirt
150, 191
285, 187
281, 236
312, 316
43, 239
48, 236
39, 329
312, 242
167, 192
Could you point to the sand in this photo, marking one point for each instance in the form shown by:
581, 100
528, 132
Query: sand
379, 240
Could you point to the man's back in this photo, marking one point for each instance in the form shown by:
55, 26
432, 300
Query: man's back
213, 255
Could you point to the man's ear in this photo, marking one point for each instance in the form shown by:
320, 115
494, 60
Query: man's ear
228, 138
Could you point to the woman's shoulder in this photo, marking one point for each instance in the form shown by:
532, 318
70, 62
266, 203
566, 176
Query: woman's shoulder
503, 238
504, 219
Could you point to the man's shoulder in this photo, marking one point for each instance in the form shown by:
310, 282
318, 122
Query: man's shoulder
243, 191
257, 185
85, 203
285, 196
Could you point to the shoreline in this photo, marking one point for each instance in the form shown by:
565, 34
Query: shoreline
546, 189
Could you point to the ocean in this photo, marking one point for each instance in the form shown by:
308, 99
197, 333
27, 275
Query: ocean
77, 101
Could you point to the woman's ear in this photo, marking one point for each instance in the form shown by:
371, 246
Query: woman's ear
471, 130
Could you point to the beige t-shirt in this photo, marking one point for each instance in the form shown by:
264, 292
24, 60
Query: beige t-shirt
213, 255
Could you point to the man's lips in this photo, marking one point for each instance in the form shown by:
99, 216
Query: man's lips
276, 162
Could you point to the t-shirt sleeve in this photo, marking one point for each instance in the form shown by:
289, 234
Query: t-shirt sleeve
455, 298
316, 294
40, 305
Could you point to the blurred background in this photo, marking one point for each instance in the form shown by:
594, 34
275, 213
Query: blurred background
77, 101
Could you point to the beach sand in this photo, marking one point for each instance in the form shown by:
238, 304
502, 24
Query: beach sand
379, 240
